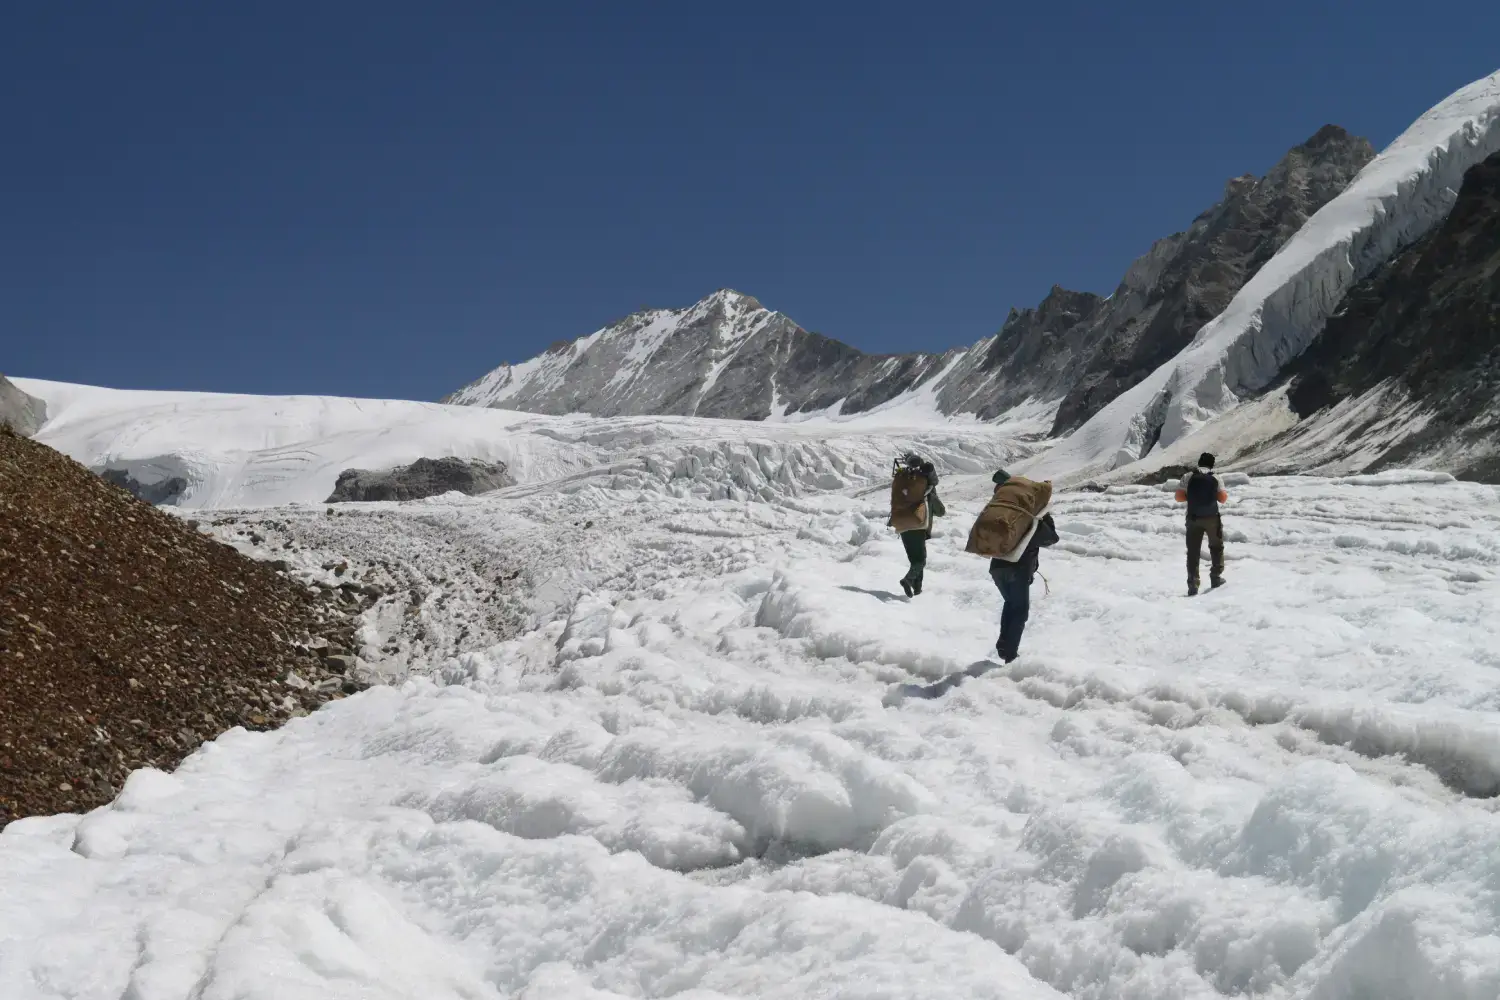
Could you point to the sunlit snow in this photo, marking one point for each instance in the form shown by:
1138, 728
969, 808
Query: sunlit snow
690, 771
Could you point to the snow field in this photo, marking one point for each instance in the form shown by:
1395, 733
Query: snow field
680, 775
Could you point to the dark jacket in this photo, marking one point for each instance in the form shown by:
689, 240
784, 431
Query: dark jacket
1202, 493
1044, 535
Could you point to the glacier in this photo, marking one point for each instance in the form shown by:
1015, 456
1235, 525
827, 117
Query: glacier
720, 756
714, 754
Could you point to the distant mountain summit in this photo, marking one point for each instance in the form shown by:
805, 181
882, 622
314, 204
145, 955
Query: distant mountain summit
729, 356
726, 356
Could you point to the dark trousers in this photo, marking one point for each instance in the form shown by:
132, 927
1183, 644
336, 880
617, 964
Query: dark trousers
1199, 528
1015, 590
915, 543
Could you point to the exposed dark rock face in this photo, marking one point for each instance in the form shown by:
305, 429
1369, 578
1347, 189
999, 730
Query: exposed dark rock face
426, 477
167, 491
1036, 355
1201, 270
1428, 324
21, 413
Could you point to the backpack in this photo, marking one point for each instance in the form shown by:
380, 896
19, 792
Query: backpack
1202, 494
909, 510
1046, 533
1008, 521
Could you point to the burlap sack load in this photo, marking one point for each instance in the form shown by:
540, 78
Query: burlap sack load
909, 501
1009, 520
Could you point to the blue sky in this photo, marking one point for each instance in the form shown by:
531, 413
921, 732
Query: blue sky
380, 200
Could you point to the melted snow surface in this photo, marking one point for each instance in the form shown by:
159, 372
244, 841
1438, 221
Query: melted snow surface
708, 766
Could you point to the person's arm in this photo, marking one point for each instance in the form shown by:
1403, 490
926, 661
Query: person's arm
1223, 496
1182, 490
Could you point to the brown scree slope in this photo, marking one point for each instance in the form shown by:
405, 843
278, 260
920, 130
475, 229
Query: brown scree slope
127, 638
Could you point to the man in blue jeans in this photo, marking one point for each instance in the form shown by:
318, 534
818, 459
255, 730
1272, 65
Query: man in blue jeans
1014, 580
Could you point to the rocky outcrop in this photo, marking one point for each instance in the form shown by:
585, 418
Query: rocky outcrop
128, 638
1424, 331
165, 491
1033, 356
1194, 275
729, 356
21, 413
426, 477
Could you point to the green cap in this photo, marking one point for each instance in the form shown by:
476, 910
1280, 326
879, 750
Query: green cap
1000, 476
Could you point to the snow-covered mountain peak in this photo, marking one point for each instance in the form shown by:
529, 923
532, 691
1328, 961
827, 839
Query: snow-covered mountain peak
664, 361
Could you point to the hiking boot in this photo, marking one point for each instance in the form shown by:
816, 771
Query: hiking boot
1215, 582
916, 588
906, 586
1192, 588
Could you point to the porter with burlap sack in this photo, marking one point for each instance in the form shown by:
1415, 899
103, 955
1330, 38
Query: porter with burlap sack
909, 511
1009, 520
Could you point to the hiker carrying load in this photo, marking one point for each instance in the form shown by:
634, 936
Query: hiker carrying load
1201, 491
914, 503
1011, 530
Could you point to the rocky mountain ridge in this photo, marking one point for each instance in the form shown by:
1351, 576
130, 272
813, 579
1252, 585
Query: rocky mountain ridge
728, 356
1423, 335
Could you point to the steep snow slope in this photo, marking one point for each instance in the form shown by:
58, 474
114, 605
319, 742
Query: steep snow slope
1400, 196
690, 778
261, 450
1191, 277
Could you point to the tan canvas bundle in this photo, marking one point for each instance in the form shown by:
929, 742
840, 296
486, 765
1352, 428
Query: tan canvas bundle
909, 500
1007, 520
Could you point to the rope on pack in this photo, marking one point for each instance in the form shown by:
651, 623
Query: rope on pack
1046, 587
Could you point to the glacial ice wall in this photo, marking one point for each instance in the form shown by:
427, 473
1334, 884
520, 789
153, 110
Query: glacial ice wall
1405, 191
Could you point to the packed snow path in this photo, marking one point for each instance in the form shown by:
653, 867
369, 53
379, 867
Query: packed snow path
686, 780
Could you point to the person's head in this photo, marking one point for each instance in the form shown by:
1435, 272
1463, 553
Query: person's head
1205, 461
911, 460
1000, 477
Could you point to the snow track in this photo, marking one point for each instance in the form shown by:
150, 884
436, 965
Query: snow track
671, 765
